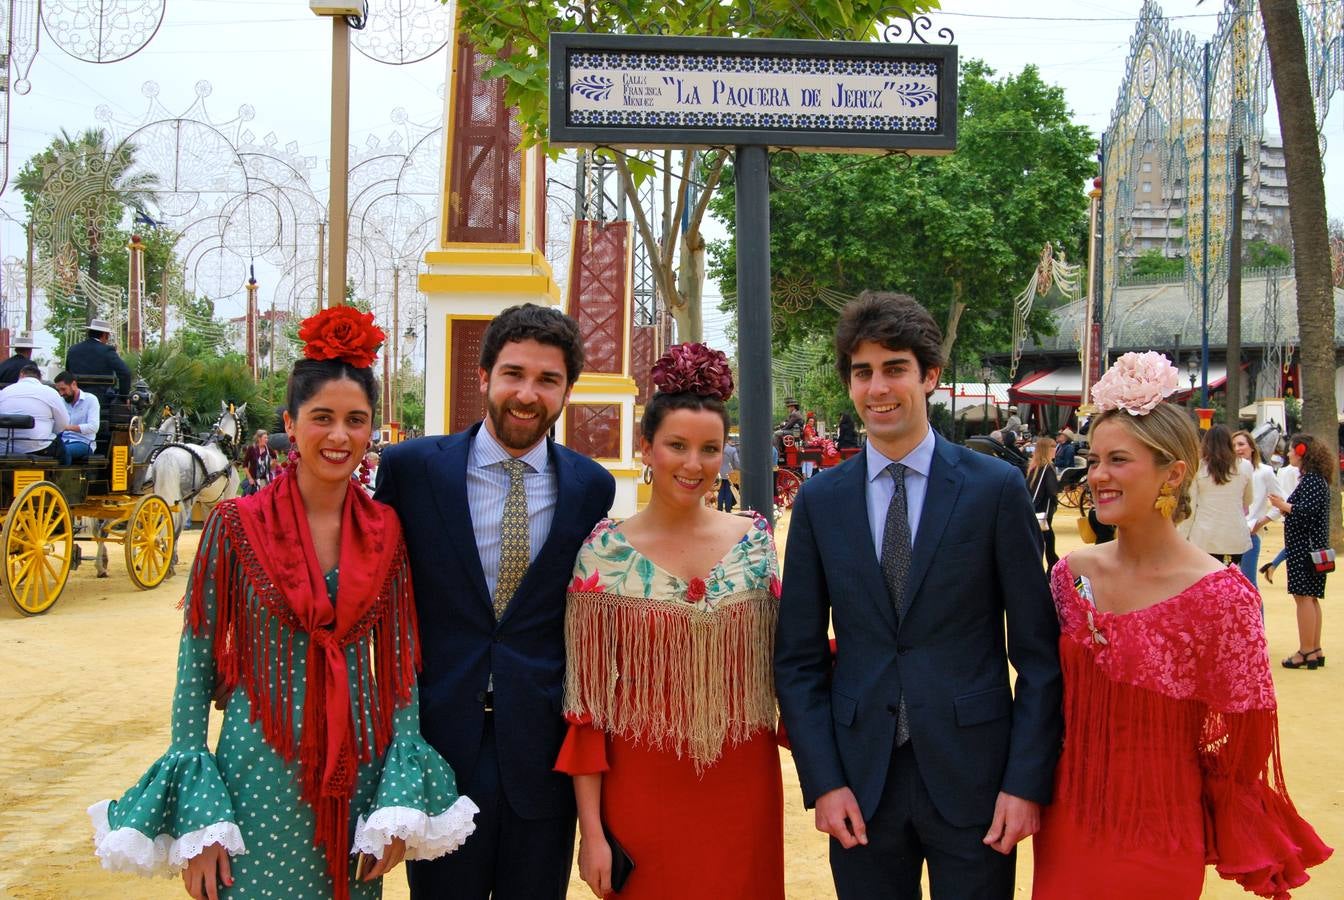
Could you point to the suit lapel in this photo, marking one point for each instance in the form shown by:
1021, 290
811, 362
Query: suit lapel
853, 491
450, 494
939, 499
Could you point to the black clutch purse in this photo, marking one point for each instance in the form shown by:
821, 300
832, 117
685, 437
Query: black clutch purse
621, 863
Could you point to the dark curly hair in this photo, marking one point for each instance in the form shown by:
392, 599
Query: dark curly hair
1316, 459
896, 321
530, 322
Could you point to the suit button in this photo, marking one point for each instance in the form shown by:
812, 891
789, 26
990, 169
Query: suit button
893, 708
901, 651
480, 696
496, 639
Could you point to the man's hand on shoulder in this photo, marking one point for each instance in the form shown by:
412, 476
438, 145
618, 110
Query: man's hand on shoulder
838, 815
1014, 819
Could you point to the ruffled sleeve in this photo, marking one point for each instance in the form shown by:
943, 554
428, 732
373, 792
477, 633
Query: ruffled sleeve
181, 805
417, 797
584, 751
1253, 833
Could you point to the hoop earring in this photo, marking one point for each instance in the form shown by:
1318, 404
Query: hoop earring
1166, 501
647, 475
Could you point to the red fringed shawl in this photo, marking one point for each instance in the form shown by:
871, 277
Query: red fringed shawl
263, 548
1171, 732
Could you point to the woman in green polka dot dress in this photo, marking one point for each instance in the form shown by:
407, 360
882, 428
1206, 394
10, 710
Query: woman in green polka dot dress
300, 623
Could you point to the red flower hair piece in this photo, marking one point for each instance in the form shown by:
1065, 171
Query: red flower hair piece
694, 369
344, 333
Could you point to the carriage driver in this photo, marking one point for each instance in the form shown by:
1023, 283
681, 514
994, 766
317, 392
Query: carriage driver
85, 414
95, 355
30, 397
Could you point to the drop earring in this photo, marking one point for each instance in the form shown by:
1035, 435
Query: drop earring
1165, 503
647, 476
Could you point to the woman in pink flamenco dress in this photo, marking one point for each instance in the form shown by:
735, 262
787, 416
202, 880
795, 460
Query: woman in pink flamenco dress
1171, 758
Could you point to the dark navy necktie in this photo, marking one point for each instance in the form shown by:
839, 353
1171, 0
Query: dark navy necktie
896, 547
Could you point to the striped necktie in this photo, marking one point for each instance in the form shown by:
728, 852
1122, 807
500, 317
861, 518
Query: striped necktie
514, 551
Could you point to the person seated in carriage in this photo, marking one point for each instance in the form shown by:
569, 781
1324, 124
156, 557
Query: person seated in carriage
95, 355
85, 416
30, 397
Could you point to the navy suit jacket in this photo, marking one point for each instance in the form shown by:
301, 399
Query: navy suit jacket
976, 561
424, 480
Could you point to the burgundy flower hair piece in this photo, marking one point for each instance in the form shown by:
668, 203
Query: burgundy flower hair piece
694, 369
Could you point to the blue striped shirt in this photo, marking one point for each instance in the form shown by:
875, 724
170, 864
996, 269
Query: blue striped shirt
487, 488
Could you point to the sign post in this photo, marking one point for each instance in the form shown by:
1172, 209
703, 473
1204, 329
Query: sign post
655, 91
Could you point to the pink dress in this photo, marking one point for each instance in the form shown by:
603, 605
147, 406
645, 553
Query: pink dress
1171, 758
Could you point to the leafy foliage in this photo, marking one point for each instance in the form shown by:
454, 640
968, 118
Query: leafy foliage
1156, 264
196, 385
1259, 254
960, 229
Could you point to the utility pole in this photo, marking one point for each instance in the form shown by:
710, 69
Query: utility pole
1232, 390
395, 408
337, 204
321, 263
28, 284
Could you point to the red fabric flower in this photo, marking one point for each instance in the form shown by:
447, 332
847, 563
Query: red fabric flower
344, 333
580, 585
693, 369
695, 590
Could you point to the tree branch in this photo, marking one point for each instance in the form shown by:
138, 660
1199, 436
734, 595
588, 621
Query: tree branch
702, 204
656, 258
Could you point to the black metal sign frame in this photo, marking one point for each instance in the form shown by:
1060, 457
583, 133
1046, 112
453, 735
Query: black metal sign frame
822, 132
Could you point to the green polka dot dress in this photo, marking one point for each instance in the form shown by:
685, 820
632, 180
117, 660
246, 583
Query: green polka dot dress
246, 797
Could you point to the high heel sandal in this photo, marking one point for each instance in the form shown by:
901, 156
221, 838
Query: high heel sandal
1320, 658
1292, 661
1268, 571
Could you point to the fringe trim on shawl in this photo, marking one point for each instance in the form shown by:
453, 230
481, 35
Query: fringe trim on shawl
254, 648
671, 675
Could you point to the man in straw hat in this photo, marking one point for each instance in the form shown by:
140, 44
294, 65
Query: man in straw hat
96, 356
23, 353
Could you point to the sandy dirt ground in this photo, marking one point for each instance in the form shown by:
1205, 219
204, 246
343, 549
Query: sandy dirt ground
86, 692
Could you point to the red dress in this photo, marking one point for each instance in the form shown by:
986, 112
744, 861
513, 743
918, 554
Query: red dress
670, 696
1170, 759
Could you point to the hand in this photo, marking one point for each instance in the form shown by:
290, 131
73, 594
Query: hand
595, 865
393, 854
204, 872
1014, 819
838, 815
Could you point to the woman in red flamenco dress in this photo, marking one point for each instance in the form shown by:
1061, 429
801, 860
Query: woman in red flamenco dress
1171, 757
669, 687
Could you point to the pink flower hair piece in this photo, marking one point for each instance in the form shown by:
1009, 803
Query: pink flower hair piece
1136, 383
694, 369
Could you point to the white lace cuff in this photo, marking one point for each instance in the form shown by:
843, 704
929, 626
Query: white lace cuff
129, 850
426, 837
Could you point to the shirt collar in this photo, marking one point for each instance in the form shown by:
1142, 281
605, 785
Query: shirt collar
487, 451
919, 459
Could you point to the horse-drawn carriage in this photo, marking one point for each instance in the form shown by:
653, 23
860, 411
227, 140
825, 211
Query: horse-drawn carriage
40, 499
115, 489
798, 461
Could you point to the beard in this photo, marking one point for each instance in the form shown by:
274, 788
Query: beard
515, 434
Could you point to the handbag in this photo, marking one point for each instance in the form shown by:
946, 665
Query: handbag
621, 863
1041, 518
1323, 560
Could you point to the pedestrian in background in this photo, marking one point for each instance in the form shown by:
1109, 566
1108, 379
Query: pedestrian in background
1221, 496
732, 462
1043, 485
1263, 485
1306, 528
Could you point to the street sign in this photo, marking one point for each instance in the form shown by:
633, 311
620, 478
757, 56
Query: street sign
658, 91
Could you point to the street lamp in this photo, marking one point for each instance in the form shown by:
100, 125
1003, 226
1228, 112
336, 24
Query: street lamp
986, 373
1192, 372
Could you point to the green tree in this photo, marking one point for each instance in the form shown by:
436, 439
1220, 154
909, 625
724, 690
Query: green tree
1261, 254
76, 193
518, 35
1155, 264
962, 233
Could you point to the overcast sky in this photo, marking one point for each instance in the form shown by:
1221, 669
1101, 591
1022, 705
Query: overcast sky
275, 55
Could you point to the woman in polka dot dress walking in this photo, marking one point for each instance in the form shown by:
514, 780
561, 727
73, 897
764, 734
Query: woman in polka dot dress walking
300, 624
1306, 527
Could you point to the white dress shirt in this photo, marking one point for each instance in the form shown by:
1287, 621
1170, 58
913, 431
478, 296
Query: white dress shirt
1263, 486
881, 487
30, 397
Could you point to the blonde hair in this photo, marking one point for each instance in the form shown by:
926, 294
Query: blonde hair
1168, 432
1043, 454
1256, 458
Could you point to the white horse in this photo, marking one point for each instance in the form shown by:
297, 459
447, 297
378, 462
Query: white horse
187, 474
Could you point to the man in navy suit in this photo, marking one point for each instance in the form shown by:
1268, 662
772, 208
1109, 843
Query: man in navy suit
910, 743
494, 517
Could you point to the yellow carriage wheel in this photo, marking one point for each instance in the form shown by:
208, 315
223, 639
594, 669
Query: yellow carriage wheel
149, 542
39, 544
